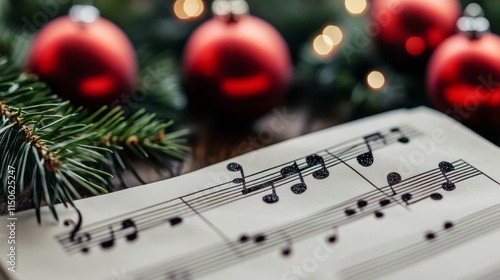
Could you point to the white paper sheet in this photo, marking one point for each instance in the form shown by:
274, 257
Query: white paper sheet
409, 194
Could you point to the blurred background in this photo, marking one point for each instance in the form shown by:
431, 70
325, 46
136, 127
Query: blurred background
347, 59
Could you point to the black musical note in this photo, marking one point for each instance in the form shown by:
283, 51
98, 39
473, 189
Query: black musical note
314, 160
259, 238
110, 242
379, 214
244, 238
430, 235
402, 139
448, 225
366, 159
383, 202
406, 197
273, 197
175, 221
235, 167
446, 167
362, 203
350, 212
288, 171
393, 178
436, 196
287, 251
129, 223
333, 237
74, 236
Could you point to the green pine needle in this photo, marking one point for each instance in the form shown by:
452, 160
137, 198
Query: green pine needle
63, 153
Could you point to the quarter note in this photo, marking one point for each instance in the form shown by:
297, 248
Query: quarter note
393, 178
446, 167
129, 223
273, 197
366, 159
287, 251
110, 241
402, 138
290, 171
333, 237
314, 160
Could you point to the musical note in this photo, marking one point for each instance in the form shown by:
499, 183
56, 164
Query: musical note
379, 214
273, 197
393, 178
362, 203
288, 171
110, 242
235, 167
175, 221
287, 251
74, 236
333, 237
244, 238
406, 197
402, 139
430, 235
448, 225
366, 159
350, 212
436, 196
260, 238
384, 202
314, 160
129, 223
446, 167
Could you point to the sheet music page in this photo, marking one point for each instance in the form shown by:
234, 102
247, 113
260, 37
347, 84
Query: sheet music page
409, 194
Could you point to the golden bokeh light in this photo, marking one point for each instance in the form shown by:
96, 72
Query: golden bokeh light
334, 33
188, 9
322, 45
356, 7
375, 80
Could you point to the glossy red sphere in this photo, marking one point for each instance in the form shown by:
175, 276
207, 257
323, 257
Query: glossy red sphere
408, 31
91, 65
463, 79
237, 69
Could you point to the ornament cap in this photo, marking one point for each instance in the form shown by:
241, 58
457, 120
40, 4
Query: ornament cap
473, 22
84, 14
230, 10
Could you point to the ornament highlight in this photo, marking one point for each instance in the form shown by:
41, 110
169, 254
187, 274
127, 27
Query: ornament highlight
463, 77
84, 58
410, 30
236, 65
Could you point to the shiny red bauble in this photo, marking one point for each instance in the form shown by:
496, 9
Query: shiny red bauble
238, 69
463, 79
90, 64
407, 31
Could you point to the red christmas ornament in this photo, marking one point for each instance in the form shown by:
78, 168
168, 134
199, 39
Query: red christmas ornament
236, 65
408, 31
463, 77
84, 58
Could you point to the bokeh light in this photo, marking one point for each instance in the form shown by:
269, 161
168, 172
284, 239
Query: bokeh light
375, 80
415, 46
322, 45
356, 7
188, 9
335, 34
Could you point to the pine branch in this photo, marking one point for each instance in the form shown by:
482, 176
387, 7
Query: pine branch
65, 152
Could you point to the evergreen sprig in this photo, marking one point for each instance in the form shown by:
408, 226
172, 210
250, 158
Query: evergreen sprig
62, 152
